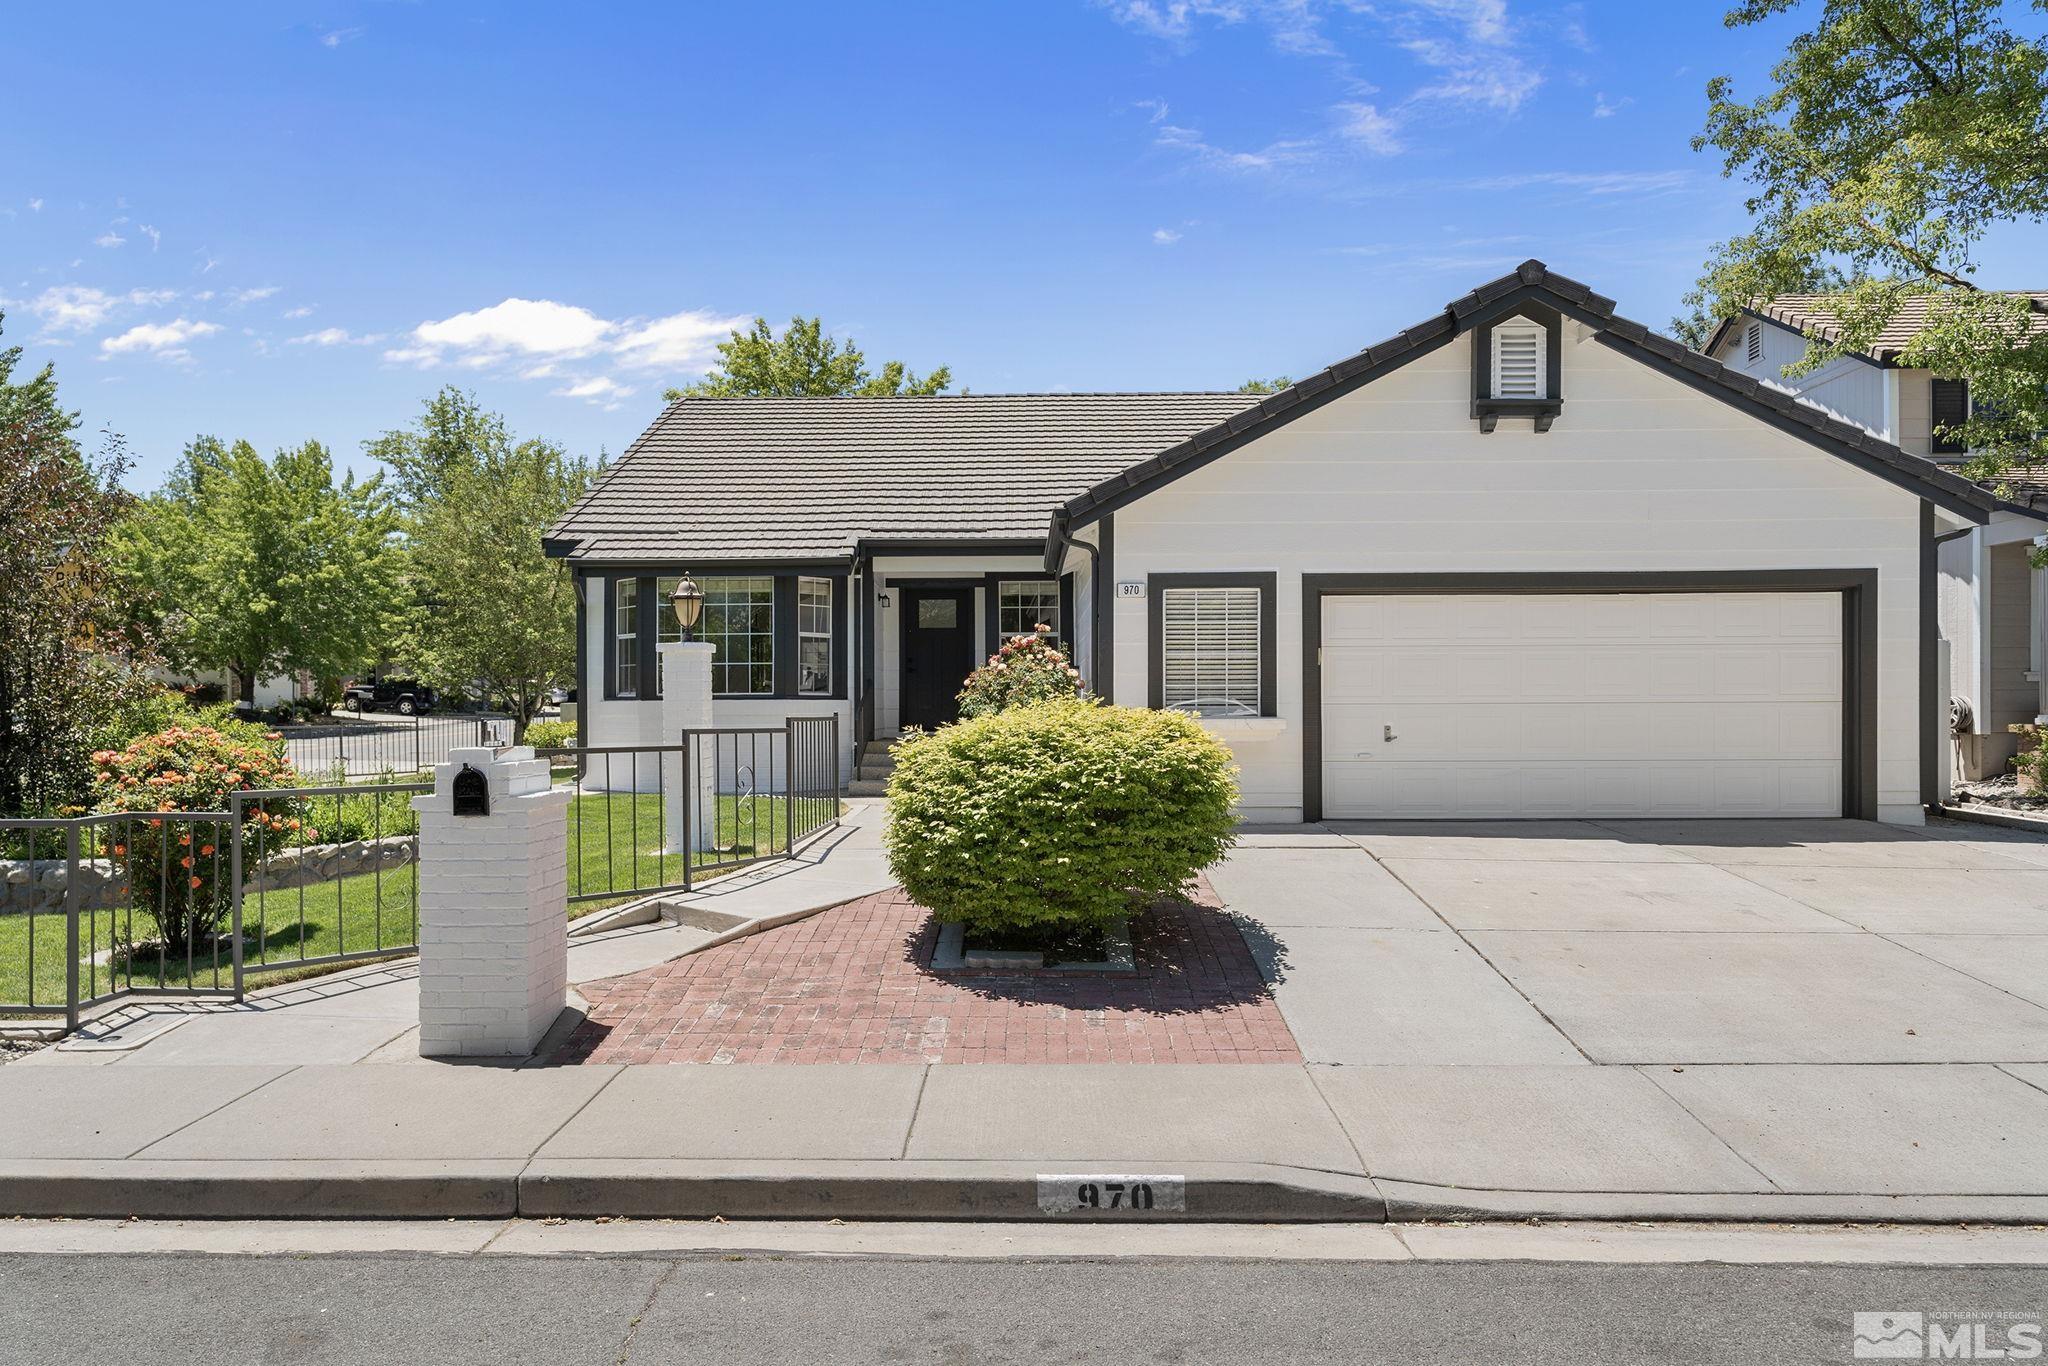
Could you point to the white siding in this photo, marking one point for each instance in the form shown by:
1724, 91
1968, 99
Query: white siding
1850, 388
1638, 473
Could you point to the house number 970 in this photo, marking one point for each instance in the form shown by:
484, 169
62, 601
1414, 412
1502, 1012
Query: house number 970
1123, 1194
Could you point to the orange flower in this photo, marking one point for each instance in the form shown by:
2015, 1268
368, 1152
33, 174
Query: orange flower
120, 849
185, 838
206, 851
185, 862
195, 882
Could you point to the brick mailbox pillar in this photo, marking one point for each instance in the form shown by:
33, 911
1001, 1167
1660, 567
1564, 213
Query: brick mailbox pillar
494, 894
686, 706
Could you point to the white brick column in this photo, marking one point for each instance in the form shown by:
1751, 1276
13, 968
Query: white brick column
686, 705
494, 908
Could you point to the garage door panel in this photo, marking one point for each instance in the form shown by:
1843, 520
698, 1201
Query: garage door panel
1614, 704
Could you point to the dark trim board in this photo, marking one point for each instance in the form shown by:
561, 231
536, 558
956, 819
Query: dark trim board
1102, 623
992, 601
1932, 693
1266, 582
1858, 588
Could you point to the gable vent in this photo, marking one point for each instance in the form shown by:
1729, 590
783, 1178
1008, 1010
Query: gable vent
1756, 343
1518, 361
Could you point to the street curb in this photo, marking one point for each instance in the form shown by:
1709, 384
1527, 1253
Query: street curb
925, 1190
1411, 1202
121, 1189
1992, 815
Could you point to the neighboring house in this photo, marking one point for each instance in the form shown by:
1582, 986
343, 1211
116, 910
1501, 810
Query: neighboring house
1526, 558
271, 690
1994, 604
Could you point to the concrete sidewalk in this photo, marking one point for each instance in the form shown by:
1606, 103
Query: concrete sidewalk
372, 1013
1255, 1142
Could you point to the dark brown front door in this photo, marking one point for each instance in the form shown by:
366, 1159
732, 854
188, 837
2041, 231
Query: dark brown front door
938, 653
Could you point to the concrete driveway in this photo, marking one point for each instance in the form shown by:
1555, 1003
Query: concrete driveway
1650, 942
1676, 1004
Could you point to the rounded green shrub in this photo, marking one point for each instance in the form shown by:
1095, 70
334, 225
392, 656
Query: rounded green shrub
551, 734
1063, 813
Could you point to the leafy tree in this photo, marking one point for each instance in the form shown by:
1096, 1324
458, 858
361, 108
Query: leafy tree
803, 362
448, 436
260, 566
1896, 134
497, 613
1264, 386
62, 667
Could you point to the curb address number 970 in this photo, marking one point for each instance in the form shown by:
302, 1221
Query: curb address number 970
1111, 1194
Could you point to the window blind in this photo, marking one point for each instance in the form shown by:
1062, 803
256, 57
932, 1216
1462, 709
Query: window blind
1209, 657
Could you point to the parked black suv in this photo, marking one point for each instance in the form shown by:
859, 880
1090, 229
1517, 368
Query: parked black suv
406, 696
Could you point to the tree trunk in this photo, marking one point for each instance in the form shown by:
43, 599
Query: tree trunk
245, 687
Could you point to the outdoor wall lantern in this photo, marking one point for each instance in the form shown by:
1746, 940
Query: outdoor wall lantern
471, 793
688, 600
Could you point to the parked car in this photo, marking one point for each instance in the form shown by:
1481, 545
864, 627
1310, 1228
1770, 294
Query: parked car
406, 696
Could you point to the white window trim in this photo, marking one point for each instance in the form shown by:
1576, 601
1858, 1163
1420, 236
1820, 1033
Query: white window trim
802, 635
622, 589
717, 664
1050, 586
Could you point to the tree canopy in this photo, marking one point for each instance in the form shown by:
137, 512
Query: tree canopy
262, 566
1264, 386
804, 361
1895, 135
492, 611
63, 668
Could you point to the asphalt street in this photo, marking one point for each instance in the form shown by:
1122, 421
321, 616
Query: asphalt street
741, 1309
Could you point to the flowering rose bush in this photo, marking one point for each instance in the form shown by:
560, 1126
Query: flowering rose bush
177, 871
1028, 669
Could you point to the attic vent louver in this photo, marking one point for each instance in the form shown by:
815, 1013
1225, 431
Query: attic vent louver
1756, 343
1518, 361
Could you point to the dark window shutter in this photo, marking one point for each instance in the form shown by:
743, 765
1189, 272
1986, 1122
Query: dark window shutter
1951, 403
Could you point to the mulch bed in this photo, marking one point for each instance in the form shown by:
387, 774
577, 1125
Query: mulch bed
853, 985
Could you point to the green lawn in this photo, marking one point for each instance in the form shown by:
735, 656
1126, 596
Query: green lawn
614, 856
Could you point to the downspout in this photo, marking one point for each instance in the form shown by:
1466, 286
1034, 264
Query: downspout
1058, 542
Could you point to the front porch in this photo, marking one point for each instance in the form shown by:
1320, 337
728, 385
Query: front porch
883, 639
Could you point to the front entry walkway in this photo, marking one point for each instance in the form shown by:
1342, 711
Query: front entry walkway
853, 985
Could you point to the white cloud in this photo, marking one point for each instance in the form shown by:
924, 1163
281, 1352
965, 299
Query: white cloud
109, 238
163, 340
81, 308
1270, 157
1587, 182
1172, 19
335, 336
1604, 110
680, 341
302, 311
1165, 237
35, 206
335, 37
602, 390
155, 238
1366, 126
537, 333
239, 297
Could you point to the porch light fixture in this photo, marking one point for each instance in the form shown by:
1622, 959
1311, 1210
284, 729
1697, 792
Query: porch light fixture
688, 600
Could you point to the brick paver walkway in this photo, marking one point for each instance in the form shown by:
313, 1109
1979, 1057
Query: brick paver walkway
852, 985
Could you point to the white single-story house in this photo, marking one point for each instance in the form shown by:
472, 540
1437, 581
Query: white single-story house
1525, 559
1993, 603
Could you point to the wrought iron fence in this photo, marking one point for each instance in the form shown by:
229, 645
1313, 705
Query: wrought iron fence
189, 903
194, 903
337, 750
659, 818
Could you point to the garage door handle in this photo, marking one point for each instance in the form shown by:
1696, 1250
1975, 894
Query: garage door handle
1390, 735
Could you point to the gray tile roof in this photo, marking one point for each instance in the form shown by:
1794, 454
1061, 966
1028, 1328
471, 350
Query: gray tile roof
807, 478
1814, 315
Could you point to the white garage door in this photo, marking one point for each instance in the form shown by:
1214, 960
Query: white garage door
1626, 704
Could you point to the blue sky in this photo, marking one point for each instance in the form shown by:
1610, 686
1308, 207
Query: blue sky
281, 221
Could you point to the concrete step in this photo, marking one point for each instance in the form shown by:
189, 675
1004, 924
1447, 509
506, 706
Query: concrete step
867, 787
877, 769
